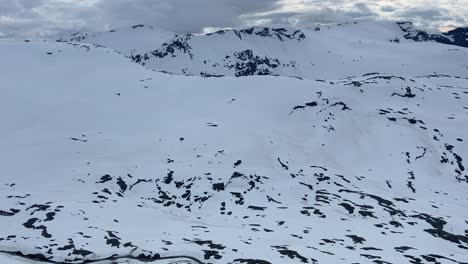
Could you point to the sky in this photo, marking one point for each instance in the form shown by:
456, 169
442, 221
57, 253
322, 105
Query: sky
49, 17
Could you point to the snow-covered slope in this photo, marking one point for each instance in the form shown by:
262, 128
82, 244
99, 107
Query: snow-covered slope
129, 41
102, 158
333, 51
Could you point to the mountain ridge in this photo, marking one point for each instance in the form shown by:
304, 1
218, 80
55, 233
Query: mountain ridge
287, 51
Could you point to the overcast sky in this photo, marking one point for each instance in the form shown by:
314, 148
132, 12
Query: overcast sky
45, 17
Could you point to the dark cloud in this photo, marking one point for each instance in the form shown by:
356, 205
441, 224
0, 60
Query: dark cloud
182, 15
388, 8
45, 17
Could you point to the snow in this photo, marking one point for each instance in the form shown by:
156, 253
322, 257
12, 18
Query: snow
135, 39
103, 157
319, 52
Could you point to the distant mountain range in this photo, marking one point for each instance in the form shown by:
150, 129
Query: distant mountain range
310, 52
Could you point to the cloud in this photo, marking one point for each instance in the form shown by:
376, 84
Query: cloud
181, 15
388, 8
42, 17
46, 17
432, 17
429, 14
308, 16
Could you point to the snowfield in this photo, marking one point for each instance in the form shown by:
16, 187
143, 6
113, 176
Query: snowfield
360, 158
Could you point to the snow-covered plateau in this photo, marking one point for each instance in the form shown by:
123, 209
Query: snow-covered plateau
344, 143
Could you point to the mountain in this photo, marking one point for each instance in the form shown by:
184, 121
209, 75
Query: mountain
330, 51
456, 37
105, 159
